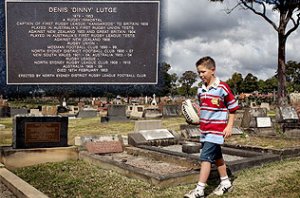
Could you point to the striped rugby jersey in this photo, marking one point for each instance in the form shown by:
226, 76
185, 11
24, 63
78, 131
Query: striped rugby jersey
216, 102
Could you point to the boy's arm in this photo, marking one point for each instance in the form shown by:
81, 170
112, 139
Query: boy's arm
228, 129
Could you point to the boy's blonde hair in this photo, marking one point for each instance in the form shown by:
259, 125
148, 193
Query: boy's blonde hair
206, 61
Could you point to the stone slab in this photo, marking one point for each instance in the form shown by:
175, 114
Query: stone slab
40, 131
19, 187
156, 134
147, 125
104, 147
136, 139
87, 113
18, 111
18, 158
171, 110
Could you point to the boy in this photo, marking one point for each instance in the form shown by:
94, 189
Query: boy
216, 101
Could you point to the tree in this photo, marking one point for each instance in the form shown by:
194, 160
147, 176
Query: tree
293, 76
173, 84
249, 84
289, 20
235, 82
187, 79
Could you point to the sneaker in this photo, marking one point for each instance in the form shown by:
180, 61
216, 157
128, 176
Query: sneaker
195, 194
223, 188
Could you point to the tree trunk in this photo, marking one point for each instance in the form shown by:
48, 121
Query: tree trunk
281, 93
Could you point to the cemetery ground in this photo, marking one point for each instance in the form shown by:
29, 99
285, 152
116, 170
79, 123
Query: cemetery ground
80, 179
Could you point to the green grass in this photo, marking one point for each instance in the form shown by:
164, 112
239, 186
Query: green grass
80, 179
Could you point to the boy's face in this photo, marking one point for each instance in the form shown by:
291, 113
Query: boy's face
206, 74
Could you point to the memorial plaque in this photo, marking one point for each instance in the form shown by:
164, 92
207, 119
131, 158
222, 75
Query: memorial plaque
42, 132
82, 42
39, 131
263, 122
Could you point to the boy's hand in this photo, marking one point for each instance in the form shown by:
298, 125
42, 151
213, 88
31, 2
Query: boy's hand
227, 132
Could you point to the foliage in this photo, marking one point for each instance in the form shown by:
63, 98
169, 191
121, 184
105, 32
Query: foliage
187, 79
235, 83
293, 76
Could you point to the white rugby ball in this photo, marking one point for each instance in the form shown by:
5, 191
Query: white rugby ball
191, 112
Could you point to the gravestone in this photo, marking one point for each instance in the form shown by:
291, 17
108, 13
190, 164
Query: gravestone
264, 127
156, 134
104, 147
35, 112
249, 117
171, 110
286, 114
265, 105
49, 110
295, 99
135, 112
147, 125
87, 113
190, 131
116, 112
18, 111
154, 137
150, 132
4, 111
39, 131
238, 118
288, 118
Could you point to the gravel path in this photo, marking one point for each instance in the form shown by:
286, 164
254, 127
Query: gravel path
5, 192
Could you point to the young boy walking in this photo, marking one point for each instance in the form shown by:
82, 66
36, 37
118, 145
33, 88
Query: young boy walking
218, 105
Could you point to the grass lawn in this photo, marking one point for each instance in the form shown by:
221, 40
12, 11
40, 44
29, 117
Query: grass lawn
79, 179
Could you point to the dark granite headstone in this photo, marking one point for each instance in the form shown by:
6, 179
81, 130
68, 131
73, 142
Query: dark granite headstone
4, 111
117, 113
40, 131
171, 110
87, 113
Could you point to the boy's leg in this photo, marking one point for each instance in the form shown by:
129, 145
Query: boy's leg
204, 171
205, 157
225, 184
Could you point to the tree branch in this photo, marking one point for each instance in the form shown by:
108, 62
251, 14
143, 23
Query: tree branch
262, 14
296, 25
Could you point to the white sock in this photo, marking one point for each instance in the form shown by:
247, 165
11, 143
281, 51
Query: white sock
200, 186
225, 180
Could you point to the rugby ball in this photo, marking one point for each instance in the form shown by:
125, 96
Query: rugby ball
191, 112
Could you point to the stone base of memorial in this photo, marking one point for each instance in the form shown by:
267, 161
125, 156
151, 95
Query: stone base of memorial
39, 131
18, 158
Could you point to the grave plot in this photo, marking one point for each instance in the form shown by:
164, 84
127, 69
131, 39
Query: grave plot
156, 168
169, 166
236, 158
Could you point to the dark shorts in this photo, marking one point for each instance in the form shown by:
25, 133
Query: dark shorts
210, 152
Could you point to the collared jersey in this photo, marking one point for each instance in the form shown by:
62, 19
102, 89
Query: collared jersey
216, 102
